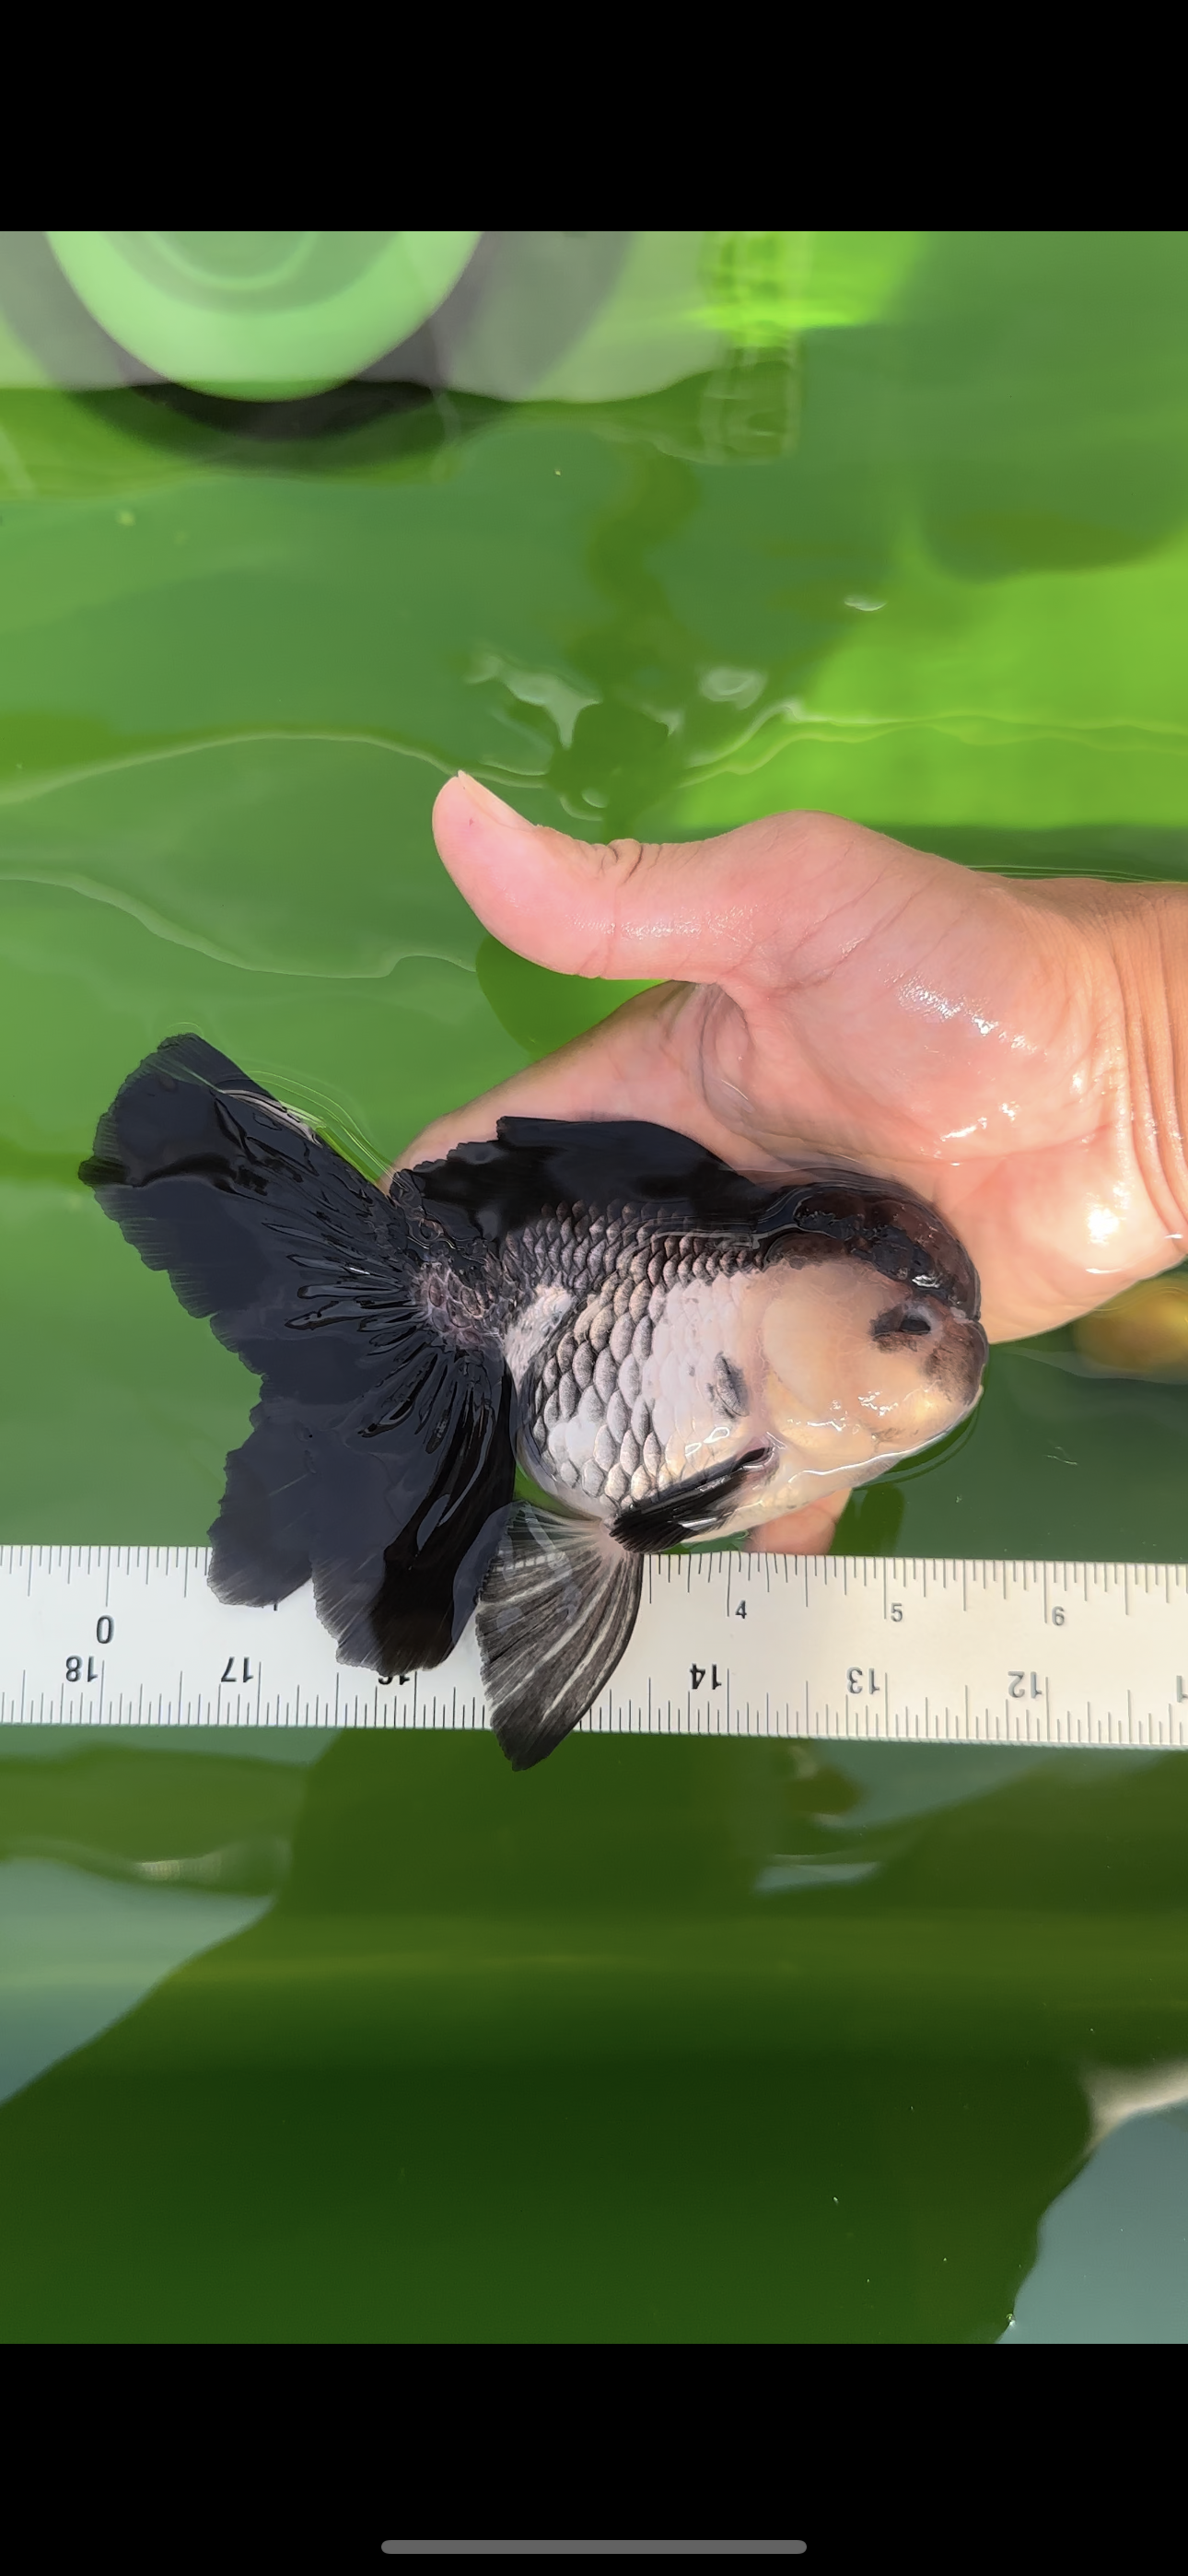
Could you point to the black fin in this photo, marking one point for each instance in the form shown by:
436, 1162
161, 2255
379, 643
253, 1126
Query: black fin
381, 1457
554, 1618
694, 1509
551, 1162
262, 1534
679, 1187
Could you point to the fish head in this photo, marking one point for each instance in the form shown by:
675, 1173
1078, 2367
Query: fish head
853, 1371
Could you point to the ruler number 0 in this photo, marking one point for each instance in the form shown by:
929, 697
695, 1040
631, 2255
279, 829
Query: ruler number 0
104, 1632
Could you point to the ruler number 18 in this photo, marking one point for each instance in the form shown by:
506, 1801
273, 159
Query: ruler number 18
104, 1632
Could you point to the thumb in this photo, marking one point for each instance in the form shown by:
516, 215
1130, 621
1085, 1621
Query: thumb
692, 911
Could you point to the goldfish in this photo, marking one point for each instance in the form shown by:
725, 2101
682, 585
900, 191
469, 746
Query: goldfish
671, 1350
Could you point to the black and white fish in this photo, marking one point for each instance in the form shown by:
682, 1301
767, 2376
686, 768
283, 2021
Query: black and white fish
671, 1351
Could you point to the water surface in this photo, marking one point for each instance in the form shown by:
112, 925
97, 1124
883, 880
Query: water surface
665, 2041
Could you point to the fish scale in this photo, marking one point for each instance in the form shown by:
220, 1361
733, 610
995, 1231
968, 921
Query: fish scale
591, 1372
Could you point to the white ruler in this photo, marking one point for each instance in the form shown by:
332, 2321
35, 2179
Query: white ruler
908, 1650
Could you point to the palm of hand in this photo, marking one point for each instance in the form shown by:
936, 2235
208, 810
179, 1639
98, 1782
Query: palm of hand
836, 994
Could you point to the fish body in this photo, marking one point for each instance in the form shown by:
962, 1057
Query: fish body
669, 1349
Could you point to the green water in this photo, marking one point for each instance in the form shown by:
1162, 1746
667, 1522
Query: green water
532, 2058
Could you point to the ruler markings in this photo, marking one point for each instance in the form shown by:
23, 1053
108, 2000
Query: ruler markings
1010, 1652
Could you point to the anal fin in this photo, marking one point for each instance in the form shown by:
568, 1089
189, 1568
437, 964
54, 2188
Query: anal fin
554, 1619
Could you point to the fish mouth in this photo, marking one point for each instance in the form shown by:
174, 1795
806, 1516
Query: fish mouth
960, 1360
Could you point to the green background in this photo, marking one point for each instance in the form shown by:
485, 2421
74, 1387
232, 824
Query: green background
530, 2058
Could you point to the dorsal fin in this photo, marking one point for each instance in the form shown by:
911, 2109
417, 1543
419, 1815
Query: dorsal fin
551, 1162
678, 1186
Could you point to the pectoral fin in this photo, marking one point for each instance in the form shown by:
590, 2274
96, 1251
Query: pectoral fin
555, 1616
695, 1508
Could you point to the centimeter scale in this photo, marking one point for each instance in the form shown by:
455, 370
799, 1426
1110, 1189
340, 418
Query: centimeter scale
909, 1650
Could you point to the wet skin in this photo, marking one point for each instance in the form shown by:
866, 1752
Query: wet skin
1009, 1048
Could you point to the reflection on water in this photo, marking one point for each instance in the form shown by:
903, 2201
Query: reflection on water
880, 1790
79, 1951
671, 540
855, 2098
1112, 2265
89, 1927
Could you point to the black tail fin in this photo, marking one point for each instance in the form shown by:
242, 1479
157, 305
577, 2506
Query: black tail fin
380, 1460
554, 1618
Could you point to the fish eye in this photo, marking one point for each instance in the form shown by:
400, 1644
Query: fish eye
897, 1322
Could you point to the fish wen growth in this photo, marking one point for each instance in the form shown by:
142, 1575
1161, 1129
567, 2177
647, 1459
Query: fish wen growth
670, 1350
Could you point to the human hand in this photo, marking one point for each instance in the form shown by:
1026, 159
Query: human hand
1009, 1048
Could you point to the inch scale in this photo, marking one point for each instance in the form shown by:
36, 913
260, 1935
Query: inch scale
866, 1649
